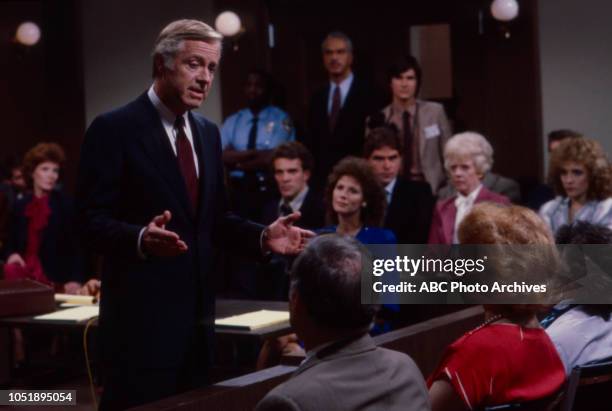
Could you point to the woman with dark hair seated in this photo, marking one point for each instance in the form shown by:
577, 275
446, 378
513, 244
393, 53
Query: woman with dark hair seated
509, 358
43, 245
355, 203
355, 206
581, 175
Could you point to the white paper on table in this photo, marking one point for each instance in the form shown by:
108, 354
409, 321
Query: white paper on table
76, 314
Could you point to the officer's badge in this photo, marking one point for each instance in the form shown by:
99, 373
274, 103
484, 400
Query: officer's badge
287, 125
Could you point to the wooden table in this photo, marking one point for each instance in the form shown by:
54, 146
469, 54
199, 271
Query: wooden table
224, 308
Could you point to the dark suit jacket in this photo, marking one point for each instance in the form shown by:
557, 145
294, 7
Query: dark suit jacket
129, 174
313, 212
357, 376
443, 222
60, 252
409, 213
347, 137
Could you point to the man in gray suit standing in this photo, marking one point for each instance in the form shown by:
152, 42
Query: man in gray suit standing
343, 369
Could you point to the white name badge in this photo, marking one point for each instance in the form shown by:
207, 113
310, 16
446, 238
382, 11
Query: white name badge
432, 131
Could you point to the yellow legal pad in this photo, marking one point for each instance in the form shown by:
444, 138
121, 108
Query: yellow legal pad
74, 299
253, 320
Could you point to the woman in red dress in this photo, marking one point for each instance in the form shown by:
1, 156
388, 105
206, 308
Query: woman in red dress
43, 245
509, 358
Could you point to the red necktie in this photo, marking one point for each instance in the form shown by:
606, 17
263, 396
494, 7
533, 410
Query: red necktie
335, 109
184, 154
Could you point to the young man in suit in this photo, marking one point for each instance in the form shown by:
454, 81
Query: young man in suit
409, 203
152, 202
337, 112
292, 166
422, 125
344, 369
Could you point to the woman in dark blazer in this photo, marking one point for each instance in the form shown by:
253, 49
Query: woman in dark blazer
42, 242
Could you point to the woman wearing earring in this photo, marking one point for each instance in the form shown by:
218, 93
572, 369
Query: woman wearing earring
355, 203
581, 175
509, 358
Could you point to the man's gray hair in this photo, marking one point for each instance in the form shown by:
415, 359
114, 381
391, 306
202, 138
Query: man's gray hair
472, 145
338, 35
171, 38
327, 277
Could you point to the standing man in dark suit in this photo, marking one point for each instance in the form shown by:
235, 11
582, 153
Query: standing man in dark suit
292, 165
344, 369
337, 112
409, 203
152, 202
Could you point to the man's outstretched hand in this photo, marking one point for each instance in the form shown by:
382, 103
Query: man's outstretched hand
159, 242
283, 237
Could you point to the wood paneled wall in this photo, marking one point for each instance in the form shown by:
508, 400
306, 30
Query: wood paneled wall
496, 79
41, 86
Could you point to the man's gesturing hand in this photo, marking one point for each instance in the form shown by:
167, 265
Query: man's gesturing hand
158, 241
283, 237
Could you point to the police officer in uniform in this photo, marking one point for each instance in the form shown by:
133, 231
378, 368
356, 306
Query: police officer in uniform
249, 137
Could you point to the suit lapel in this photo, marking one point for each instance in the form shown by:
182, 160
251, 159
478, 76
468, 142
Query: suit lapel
421, 121
323, 106
449, 221
205, 162
348, 102
157, 147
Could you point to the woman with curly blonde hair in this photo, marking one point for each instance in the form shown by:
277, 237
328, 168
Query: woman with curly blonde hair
355, 203
581, 175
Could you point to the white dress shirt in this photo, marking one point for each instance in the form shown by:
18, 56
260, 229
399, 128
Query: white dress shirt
389, 190
168, 118
464, 205
297, 201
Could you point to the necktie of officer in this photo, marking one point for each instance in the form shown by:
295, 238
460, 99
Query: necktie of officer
252, 135
184, 155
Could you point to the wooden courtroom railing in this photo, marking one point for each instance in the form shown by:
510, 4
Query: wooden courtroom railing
424, 342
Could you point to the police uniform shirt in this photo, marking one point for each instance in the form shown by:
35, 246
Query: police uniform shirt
274, 127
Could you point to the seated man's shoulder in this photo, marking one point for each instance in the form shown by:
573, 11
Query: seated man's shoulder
302, 392
396, 359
